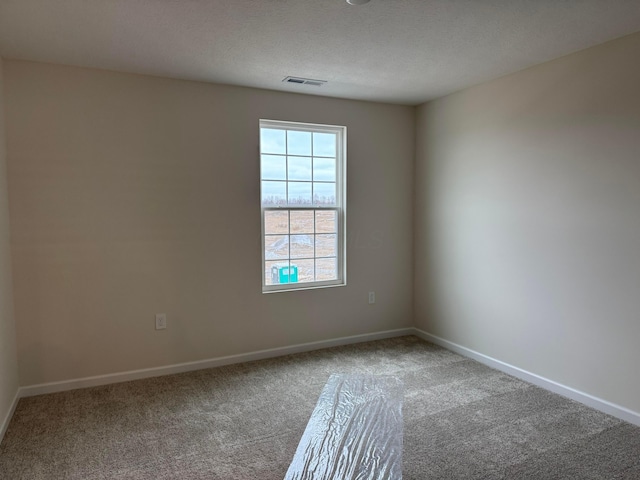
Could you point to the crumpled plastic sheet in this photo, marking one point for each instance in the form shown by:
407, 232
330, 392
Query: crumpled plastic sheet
355, 431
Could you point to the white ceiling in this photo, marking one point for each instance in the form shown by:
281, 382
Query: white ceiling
398, 51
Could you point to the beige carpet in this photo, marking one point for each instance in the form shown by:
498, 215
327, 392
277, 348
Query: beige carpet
462, 420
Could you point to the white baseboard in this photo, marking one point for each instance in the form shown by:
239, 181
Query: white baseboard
5, 422
53, 387
589, 400
582, 397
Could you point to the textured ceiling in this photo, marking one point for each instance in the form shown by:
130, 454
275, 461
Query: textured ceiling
399, 51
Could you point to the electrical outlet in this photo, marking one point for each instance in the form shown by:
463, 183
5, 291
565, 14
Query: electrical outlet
372, 297
161, 321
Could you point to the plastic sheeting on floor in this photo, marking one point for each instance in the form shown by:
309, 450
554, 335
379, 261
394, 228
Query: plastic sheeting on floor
355, 431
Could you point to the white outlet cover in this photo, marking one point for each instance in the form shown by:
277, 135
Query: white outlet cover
161, 321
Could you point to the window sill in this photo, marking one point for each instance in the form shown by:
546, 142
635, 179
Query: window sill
299, 288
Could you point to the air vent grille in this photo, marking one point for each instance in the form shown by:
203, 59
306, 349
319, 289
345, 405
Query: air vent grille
304, 81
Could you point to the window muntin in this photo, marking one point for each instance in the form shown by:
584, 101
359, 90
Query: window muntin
303, 205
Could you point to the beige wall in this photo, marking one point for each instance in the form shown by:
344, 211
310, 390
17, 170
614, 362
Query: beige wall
8, 358
527, 220
132, 195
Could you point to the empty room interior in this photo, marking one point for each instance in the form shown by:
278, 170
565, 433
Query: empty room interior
211, 210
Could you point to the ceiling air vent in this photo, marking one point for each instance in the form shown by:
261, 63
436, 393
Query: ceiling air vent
304, 81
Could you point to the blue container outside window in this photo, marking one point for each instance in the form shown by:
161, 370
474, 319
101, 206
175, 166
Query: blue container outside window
284, 274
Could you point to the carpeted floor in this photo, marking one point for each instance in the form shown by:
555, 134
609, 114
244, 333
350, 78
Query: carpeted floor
462, 420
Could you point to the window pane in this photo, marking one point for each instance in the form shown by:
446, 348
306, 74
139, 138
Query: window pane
326, 269
302, 222
301, 190
298, 143
326, 221
302, 246
277, 273
274, 193
274, 167
276, 222
306, 270
324, 144
324, 193
272, 141
326, 245
300, 168
299, 193
324, 169
276, 247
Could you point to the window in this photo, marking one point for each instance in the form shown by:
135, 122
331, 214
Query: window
302, 191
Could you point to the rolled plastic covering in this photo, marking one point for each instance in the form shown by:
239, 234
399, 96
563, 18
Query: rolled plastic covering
355, 431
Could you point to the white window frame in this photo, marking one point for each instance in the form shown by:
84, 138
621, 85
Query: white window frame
339, 208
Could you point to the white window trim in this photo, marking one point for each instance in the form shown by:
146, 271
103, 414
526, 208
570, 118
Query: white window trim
340, 208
